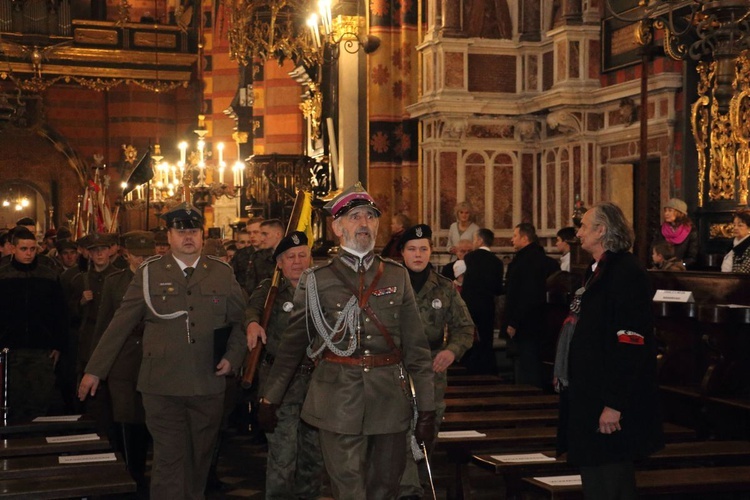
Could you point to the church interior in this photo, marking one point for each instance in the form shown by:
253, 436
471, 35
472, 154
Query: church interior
114, 111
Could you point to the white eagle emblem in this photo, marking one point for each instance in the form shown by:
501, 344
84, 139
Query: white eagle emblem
295, 239
287, 307
418, 232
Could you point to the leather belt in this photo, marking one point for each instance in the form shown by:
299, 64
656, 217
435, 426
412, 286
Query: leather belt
305, 368
366, 361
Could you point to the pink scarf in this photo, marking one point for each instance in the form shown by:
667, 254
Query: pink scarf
676, 235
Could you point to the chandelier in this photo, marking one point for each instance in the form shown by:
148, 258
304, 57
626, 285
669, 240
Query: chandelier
344, 32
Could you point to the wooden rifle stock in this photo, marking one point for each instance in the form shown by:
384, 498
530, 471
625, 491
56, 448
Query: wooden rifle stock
253, 357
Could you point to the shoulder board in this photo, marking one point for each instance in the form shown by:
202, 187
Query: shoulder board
150, 260
391, 261
319, 266
218, 259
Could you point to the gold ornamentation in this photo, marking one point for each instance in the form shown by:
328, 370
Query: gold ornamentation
312, 109
240, 137
739, 114
130, 153
721, 230
699, 122
97, 36
268, 29
151, 40
123, 13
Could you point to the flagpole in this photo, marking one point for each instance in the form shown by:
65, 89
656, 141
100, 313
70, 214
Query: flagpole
148, 201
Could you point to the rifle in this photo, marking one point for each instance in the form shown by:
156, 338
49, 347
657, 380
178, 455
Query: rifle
252, 358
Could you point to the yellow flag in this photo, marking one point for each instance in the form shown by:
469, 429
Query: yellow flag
303, 210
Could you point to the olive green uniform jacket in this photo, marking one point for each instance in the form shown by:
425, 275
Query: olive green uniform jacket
127, 406
350, 399
172, 365
441, 306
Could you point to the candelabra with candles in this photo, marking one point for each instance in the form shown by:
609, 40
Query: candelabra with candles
190, 177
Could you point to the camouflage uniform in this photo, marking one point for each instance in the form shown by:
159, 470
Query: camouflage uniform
295, 464
260, 266
240, 264
440, 307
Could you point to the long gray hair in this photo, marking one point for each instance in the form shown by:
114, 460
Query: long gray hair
618, 235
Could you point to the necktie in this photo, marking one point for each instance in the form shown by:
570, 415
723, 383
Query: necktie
189, 272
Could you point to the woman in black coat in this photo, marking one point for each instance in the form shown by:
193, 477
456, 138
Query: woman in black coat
609, 401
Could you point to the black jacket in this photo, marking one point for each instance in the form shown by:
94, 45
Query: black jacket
35, 314
605, 370
482, 282
525, 293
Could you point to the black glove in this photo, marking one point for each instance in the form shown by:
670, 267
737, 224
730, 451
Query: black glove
267, 419
424, 432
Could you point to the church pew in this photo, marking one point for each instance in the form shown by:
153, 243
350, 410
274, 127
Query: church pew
473, 380
49, 465
498, 418
703, 453
528, 402
55, 427
24, 446
468, 391
68, 486
704, 481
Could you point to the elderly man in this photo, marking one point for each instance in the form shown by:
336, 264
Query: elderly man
441, 308
367, 336
187, 301
606, 363
295, 465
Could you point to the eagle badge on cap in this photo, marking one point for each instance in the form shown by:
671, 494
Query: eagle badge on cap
418, 232
295, 239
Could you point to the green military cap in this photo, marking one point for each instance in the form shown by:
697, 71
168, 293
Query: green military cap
65, 244
184, 216
139, 243
100, 240
354, 197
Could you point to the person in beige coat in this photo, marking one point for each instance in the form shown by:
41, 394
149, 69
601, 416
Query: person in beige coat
187, 302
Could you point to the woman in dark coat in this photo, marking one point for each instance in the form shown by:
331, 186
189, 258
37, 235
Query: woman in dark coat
609, 404
679, 230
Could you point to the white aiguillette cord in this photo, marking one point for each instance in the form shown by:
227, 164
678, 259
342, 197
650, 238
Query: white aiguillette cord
174, 315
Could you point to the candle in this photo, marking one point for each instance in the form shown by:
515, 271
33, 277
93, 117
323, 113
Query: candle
220, 147
183, 152
221, 170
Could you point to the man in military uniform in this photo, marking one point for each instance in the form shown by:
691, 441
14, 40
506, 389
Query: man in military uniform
248, 243
160, 238
188, 302
359, 393
127, 406
447, 325
295, 464
262, 263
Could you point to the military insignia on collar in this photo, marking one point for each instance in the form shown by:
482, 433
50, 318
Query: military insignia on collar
418, 232
295, 239
437, 304
287, 307
385, 291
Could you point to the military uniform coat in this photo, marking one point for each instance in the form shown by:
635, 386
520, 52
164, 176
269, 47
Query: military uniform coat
173, 366
346, 399
260, 266
127, 406
612, 362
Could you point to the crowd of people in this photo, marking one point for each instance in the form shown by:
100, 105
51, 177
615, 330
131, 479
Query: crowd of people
156, 326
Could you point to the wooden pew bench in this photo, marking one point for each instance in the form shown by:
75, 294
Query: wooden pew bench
107, 482
528, 402
25, 446
703, 481
473, 380
48, 428
518, 440
697, 453
498, 418
468, 391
